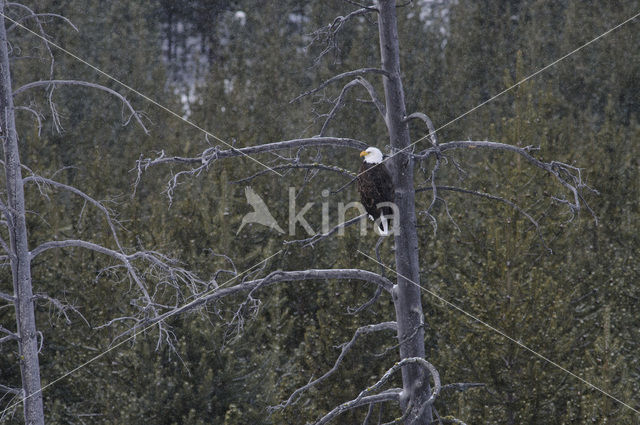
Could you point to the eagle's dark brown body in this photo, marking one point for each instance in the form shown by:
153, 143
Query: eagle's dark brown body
375, 186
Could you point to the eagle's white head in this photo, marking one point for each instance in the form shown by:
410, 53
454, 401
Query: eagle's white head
372, 155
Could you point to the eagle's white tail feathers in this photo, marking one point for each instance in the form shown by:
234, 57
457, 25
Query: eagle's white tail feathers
384, 226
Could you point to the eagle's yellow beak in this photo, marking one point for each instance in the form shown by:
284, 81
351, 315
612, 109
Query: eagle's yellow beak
364, 153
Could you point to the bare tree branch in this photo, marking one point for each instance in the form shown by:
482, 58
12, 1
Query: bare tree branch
366, 305
169, 273
37, 114
10, 390
105, 211
7, 297
62, 307
369, 413
52, 83
320, 236
339, 102
328, 33
358, 401
568, 176
434, 198
7, 331
44, 35
295, 396
392, 394
76, 243
40, 15
424, 118
215, 152
348, 74
374, 97
272, 278
316, 166
513, 205
209, 156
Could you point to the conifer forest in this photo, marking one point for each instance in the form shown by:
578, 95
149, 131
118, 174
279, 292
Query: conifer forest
182, 231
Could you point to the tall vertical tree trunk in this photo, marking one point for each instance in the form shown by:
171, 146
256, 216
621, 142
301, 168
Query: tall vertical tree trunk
407, 294
20, 256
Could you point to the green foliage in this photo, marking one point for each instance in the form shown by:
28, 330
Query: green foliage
576, 307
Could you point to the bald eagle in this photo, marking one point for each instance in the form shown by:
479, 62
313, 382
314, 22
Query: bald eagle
375, 186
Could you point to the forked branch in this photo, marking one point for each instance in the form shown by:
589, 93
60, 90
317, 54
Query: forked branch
271, 279
364, 395
567, 175
339, 102
50, 85
329, 33
210, 155
489, 196
349, 74
295, 396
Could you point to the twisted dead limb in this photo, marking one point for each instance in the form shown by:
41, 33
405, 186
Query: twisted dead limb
513, 205
364, 398
295, 396
567, 175
271, 279
208, 157
51, 84
339, 102
348, 74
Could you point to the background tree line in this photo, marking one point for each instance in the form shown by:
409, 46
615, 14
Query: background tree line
238, 72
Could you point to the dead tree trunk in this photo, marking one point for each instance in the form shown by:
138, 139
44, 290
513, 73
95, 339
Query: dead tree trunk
406, 294
14, 212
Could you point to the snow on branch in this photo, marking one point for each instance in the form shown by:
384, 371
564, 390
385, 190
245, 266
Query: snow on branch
363, 397
295, 396
51, 84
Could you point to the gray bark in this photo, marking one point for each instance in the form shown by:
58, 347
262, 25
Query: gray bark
406, 294
19, 249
